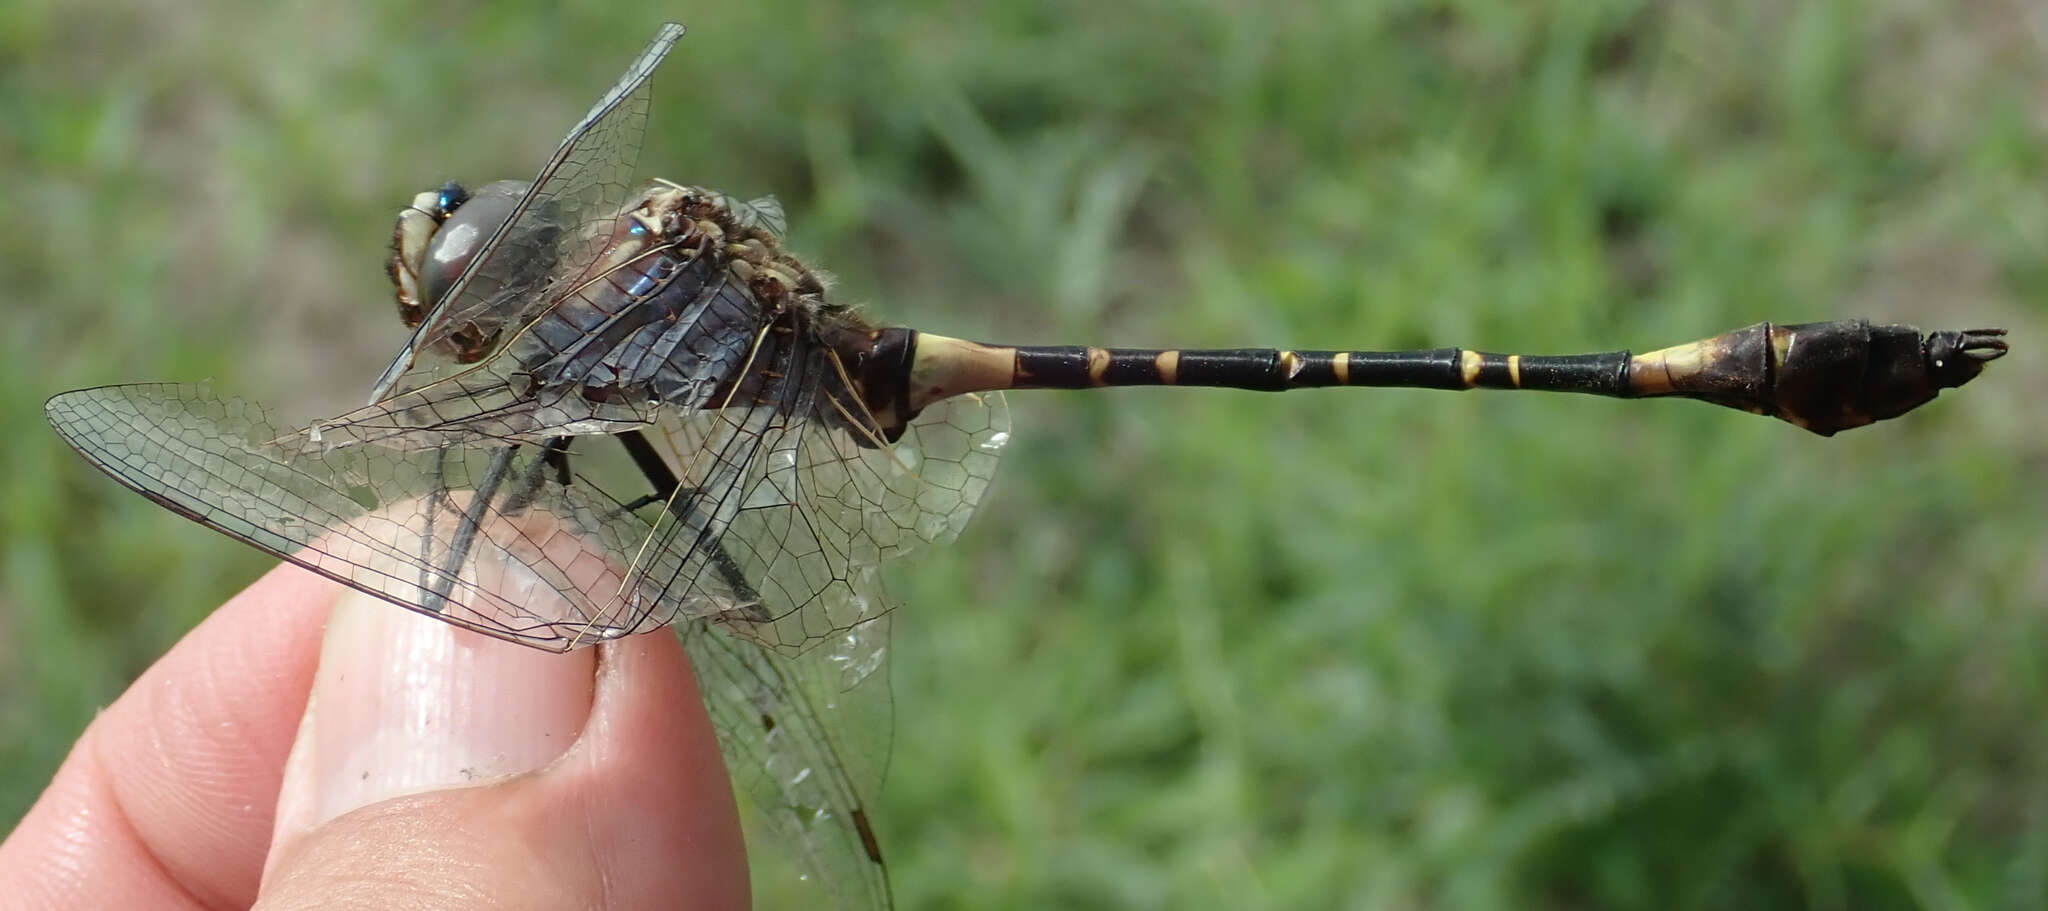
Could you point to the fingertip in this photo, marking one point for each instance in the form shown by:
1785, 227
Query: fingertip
638, 812
649, 771
404, 703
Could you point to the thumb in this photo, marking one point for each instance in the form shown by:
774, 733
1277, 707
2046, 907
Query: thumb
438, 768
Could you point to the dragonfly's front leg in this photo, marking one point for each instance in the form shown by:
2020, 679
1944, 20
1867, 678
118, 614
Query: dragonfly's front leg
437, 585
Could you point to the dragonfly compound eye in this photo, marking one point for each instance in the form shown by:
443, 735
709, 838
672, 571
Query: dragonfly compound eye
439, 237
463, 233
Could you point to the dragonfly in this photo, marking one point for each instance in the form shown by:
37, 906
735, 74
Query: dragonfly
625, 406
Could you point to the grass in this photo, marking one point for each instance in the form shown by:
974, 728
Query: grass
1348, 648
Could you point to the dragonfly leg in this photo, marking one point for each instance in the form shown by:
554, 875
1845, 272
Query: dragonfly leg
680, 502
646, 499
554, 454
440, 584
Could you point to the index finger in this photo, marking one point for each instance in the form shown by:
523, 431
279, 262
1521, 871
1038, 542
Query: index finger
168, 797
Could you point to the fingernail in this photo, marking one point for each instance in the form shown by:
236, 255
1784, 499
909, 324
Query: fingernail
404, 703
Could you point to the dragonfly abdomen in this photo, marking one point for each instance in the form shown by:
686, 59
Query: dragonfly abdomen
1278, 369
1824, 377
946, 366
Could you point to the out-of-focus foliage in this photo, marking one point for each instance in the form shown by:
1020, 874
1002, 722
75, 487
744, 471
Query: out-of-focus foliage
1335, 649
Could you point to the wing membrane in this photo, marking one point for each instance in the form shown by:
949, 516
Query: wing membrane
802, 701
483, 537
792, 732
801, 506
555, 230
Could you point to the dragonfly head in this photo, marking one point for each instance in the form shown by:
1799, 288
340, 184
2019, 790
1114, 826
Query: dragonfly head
434, 240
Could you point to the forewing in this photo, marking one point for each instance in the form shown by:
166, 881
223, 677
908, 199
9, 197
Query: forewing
478, 407
486, 537
556, 230
768, 548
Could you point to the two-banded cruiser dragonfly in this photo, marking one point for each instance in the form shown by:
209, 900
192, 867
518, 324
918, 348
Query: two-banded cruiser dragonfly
773, 446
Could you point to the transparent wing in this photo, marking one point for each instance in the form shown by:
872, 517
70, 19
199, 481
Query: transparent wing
763, 212
774, 509
801, 506
765, 541
478, 407
555, 231
496, 538
799, 685
806, 739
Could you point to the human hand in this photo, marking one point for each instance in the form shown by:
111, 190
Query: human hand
396, 762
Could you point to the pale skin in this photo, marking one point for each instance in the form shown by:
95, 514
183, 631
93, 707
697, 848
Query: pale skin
308, 747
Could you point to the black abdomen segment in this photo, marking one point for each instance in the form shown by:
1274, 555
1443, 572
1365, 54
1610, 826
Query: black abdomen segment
1277, 370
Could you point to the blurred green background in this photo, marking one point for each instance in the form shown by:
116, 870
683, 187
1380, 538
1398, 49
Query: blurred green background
1204, 648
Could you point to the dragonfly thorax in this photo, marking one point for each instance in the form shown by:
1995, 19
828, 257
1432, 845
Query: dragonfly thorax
682, 297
